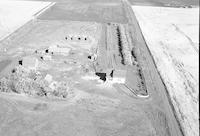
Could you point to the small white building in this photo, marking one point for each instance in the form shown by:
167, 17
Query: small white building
59, 50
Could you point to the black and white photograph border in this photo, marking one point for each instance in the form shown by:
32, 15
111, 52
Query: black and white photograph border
99, 68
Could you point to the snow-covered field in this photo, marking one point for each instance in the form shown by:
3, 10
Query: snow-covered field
14, 14
172, 37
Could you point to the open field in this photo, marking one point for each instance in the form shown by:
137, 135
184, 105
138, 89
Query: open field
166, 3
75, 11
15, 14
176, 57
